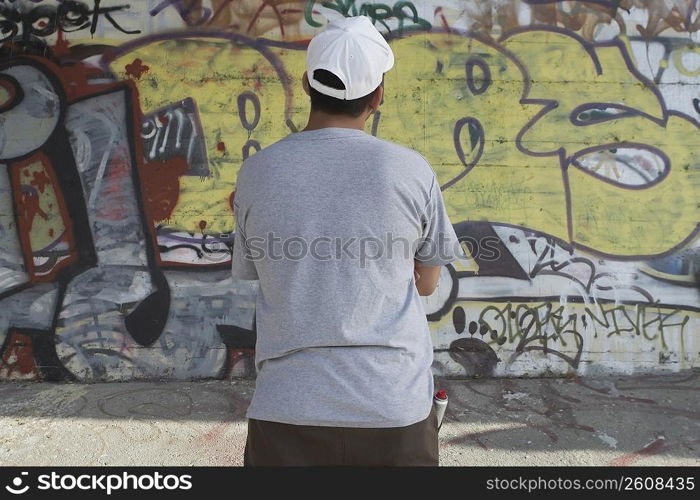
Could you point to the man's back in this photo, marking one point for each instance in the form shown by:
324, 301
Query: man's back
332, 220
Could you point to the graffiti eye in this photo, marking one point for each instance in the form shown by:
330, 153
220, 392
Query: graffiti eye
74, 15
478, 75
42, 20
469, 132
9, 23
590, 114
41, 23
627, 165
468, 140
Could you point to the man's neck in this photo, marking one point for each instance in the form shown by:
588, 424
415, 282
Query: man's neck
319, 120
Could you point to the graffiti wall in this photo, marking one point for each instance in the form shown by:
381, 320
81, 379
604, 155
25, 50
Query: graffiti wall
564, 134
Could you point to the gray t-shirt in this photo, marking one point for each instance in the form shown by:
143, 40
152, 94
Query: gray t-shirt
330, 222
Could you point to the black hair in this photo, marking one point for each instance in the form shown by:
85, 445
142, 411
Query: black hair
331, 105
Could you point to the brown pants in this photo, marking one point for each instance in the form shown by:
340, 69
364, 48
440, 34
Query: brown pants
277, 444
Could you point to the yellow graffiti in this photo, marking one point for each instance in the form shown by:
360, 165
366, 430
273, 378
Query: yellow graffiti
214, 74
681, 65
464, 104
40, 207
606, 217
427, 94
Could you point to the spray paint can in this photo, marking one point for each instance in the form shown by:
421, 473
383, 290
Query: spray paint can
440, 404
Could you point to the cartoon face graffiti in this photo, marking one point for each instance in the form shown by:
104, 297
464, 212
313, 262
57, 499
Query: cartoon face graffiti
512, 145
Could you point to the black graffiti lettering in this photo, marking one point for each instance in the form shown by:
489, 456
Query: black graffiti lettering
551, 328
9, 23
41, 21
649, 321
115, 24
93, 24
536, 328
73, 16
69, 16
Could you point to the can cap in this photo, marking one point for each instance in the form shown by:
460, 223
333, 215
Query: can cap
441, 394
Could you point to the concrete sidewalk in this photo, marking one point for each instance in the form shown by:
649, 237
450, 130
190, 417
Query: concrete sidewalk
640, 420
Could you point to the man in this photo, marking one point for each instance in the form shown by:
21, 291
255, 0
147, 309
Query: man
344, 232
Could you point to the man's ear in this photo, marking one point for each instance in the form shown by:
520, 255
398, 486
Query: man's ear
377, 98
305, 83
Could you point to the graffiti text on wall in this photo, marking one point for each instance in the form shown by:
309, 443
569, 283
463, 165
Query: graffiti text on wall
568, 146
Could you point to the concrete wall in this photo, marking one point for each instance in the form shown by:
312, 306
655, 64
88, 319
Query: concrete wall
565, 136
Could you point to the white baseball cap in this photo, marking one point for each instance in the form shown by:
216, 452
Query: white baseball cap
353, 50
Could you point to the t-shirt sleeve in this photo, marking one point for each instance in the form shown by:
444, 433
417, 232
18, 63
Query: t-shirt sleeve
439, 244
242, 263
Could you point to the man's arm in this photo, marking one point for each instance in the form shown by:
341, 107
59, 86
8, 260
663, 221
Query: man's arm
427, 278
440, 244
242, 265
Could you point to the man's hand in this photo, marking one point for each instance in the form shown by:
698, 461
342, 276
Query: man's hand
426, 278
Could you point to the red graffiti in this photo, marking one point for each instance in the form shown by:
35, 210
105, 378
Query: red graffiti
239, 355
40, 180
652, 448
136, 69
17, 361
161, 186
28, 199
119, 170
30, 208
76, 78
61, 48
